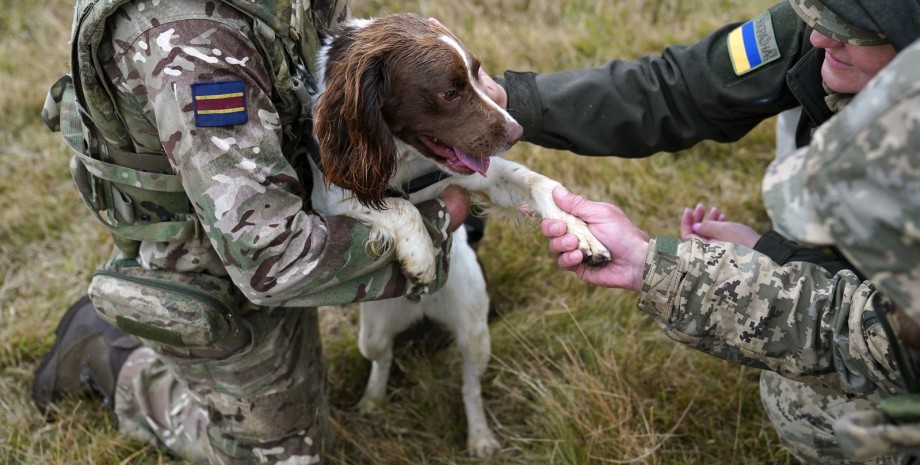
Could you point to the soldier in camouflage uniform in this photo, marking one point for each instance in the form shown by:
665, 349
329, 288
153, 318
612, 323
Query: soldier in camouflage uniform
855, 188
191, 144
719, 89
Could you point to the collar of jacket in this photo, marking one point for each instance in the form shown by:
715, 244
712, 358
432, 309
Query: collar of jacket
804, 81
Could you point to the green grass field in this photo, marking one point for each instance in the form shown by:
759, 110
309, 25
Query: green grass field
578, 375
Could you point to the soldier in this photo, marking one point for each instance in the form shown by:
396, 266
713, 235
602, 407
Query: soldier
719, 88
801, 57
190, 127
855, 188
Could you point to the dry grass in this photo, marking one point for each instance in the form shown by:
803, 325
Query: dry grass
578, 375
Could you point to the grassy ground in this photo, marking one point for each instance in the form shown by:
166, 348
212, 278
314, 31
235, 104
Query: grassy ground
578, 374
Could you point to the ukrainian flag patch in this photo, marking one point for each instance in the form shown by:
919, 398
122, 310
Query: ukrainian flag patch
753, 44
219, 103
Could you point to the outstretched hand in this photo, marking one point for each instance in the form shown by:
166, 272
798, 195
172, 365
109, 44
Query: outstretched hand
711, 226
627, 244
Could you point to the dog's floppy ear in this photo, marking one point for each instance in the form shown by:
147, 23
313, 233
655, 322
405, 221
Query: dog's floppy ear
356, 148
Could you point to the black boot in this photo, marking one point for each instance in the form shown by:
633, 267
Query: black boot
85, 359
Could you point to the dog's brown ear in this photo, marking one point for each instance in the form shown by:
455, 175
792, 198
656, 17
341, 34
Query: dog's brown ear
356, 147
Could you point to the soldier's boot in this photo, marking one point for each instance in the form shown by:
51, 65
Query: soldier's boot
85, 359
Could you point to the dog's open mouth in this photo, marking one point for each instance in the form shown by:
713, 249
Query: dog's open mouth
455, 159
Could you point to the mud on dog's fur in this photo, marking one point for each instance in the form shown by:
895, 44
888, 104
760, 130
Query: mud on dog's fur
400, 96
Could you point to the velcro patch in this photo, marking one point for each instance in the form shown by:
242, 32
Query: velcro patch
753, 44
219, 103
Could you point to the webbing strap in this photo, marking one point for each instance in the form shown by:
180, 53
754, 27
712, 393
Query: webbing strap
72, 130
131, 177
410, 187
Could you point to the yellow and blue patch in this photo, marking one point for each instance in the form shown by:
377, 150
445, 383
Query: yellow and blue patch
219, 103
753, 44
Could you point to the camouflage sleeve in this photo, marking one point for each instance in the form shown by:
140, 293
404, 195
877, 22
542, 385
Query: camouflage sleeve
227, 151
796, 319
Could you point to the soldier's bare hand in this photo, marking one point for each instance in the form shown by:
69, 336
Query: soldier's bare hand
627, 244
709, 226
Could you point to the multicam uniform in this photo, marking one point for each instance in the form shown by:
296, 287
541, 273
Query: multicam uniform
204, 86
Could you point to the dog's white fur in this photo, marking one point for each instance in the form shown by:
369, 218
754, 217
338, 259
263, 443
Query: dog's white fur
462, 304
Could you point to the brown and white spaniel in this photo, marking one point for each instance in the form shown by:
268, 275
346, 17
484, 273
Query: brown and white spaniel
400, 100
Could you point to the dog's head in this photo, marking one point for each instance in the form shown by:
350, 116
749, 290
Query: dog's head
410, 78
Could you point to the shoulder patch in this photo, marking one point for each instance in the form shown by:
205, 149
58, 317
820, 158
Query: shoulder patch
753, 44
219, 103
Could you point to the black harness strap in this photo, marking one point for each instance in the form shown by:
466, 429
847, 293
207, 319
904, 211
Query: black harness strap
412, 186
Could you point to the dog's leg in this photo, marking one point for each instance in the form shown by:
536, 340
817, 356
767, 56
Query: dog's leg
462, 305
400, 226
380, 322
511, 185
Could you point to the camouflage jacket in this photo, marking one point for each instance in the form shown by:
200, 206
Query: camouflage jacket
191, 81
796, 319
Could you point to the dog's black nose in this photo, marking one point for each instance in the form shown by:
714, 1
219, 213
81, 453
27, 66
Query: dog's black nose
513, 133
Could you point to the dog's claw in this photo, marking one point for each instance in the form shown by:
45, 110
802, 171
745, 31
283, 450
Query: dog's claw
594, 260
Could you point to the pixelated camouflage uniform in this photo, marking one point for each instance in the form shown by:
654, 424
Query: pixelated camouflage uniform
856, 188
689, 93
236, 207
799, 320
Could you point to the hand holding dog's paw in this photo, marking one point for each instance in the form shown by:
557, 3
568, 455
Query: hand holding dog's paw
618, 263
594, 254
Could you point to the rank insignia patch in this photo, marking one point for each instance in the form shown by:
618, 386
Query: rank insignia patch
219, 103
753, 44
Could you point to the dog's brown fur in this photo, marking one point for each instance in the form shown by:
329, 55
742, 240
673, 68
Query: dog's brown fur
397, 78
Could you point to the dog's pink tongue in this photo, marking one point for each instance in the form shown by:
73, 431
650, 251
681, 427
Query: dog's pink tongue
479, 165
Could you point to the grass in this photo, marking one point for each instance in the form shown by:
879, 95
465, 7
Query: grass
578, 374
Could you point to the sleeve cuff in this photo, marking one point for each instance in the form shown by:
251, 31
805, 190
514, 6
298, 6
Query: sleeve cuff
524, 102
661, 278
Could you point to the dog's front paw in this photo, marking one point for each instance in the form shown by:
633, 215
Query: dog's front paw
484, 446
594, 253
419, 265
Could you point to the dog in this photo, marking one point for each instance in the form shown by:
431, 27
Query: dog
400, 99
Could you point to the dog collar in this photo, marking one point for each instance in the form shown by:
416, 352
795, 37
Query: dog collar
410, 187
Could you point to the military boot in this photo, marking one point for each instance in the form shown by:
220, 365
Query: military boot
85, 359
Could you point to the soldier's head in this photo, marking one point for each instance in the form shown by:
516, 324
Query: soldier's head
859, 36
857, 186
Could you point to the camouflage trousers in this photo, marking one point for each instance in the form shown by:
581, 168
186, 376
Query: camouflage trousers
804, 415
262, 402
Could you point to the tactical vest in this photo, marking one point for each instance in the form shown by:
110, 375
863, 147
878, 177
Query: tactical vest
113, 180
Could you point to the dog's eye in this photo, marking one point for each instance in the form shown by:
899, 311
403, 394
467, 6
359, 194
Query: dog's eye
450, 95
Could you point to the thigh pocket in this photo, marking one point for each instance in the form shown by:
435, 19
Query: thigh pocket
186, 310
